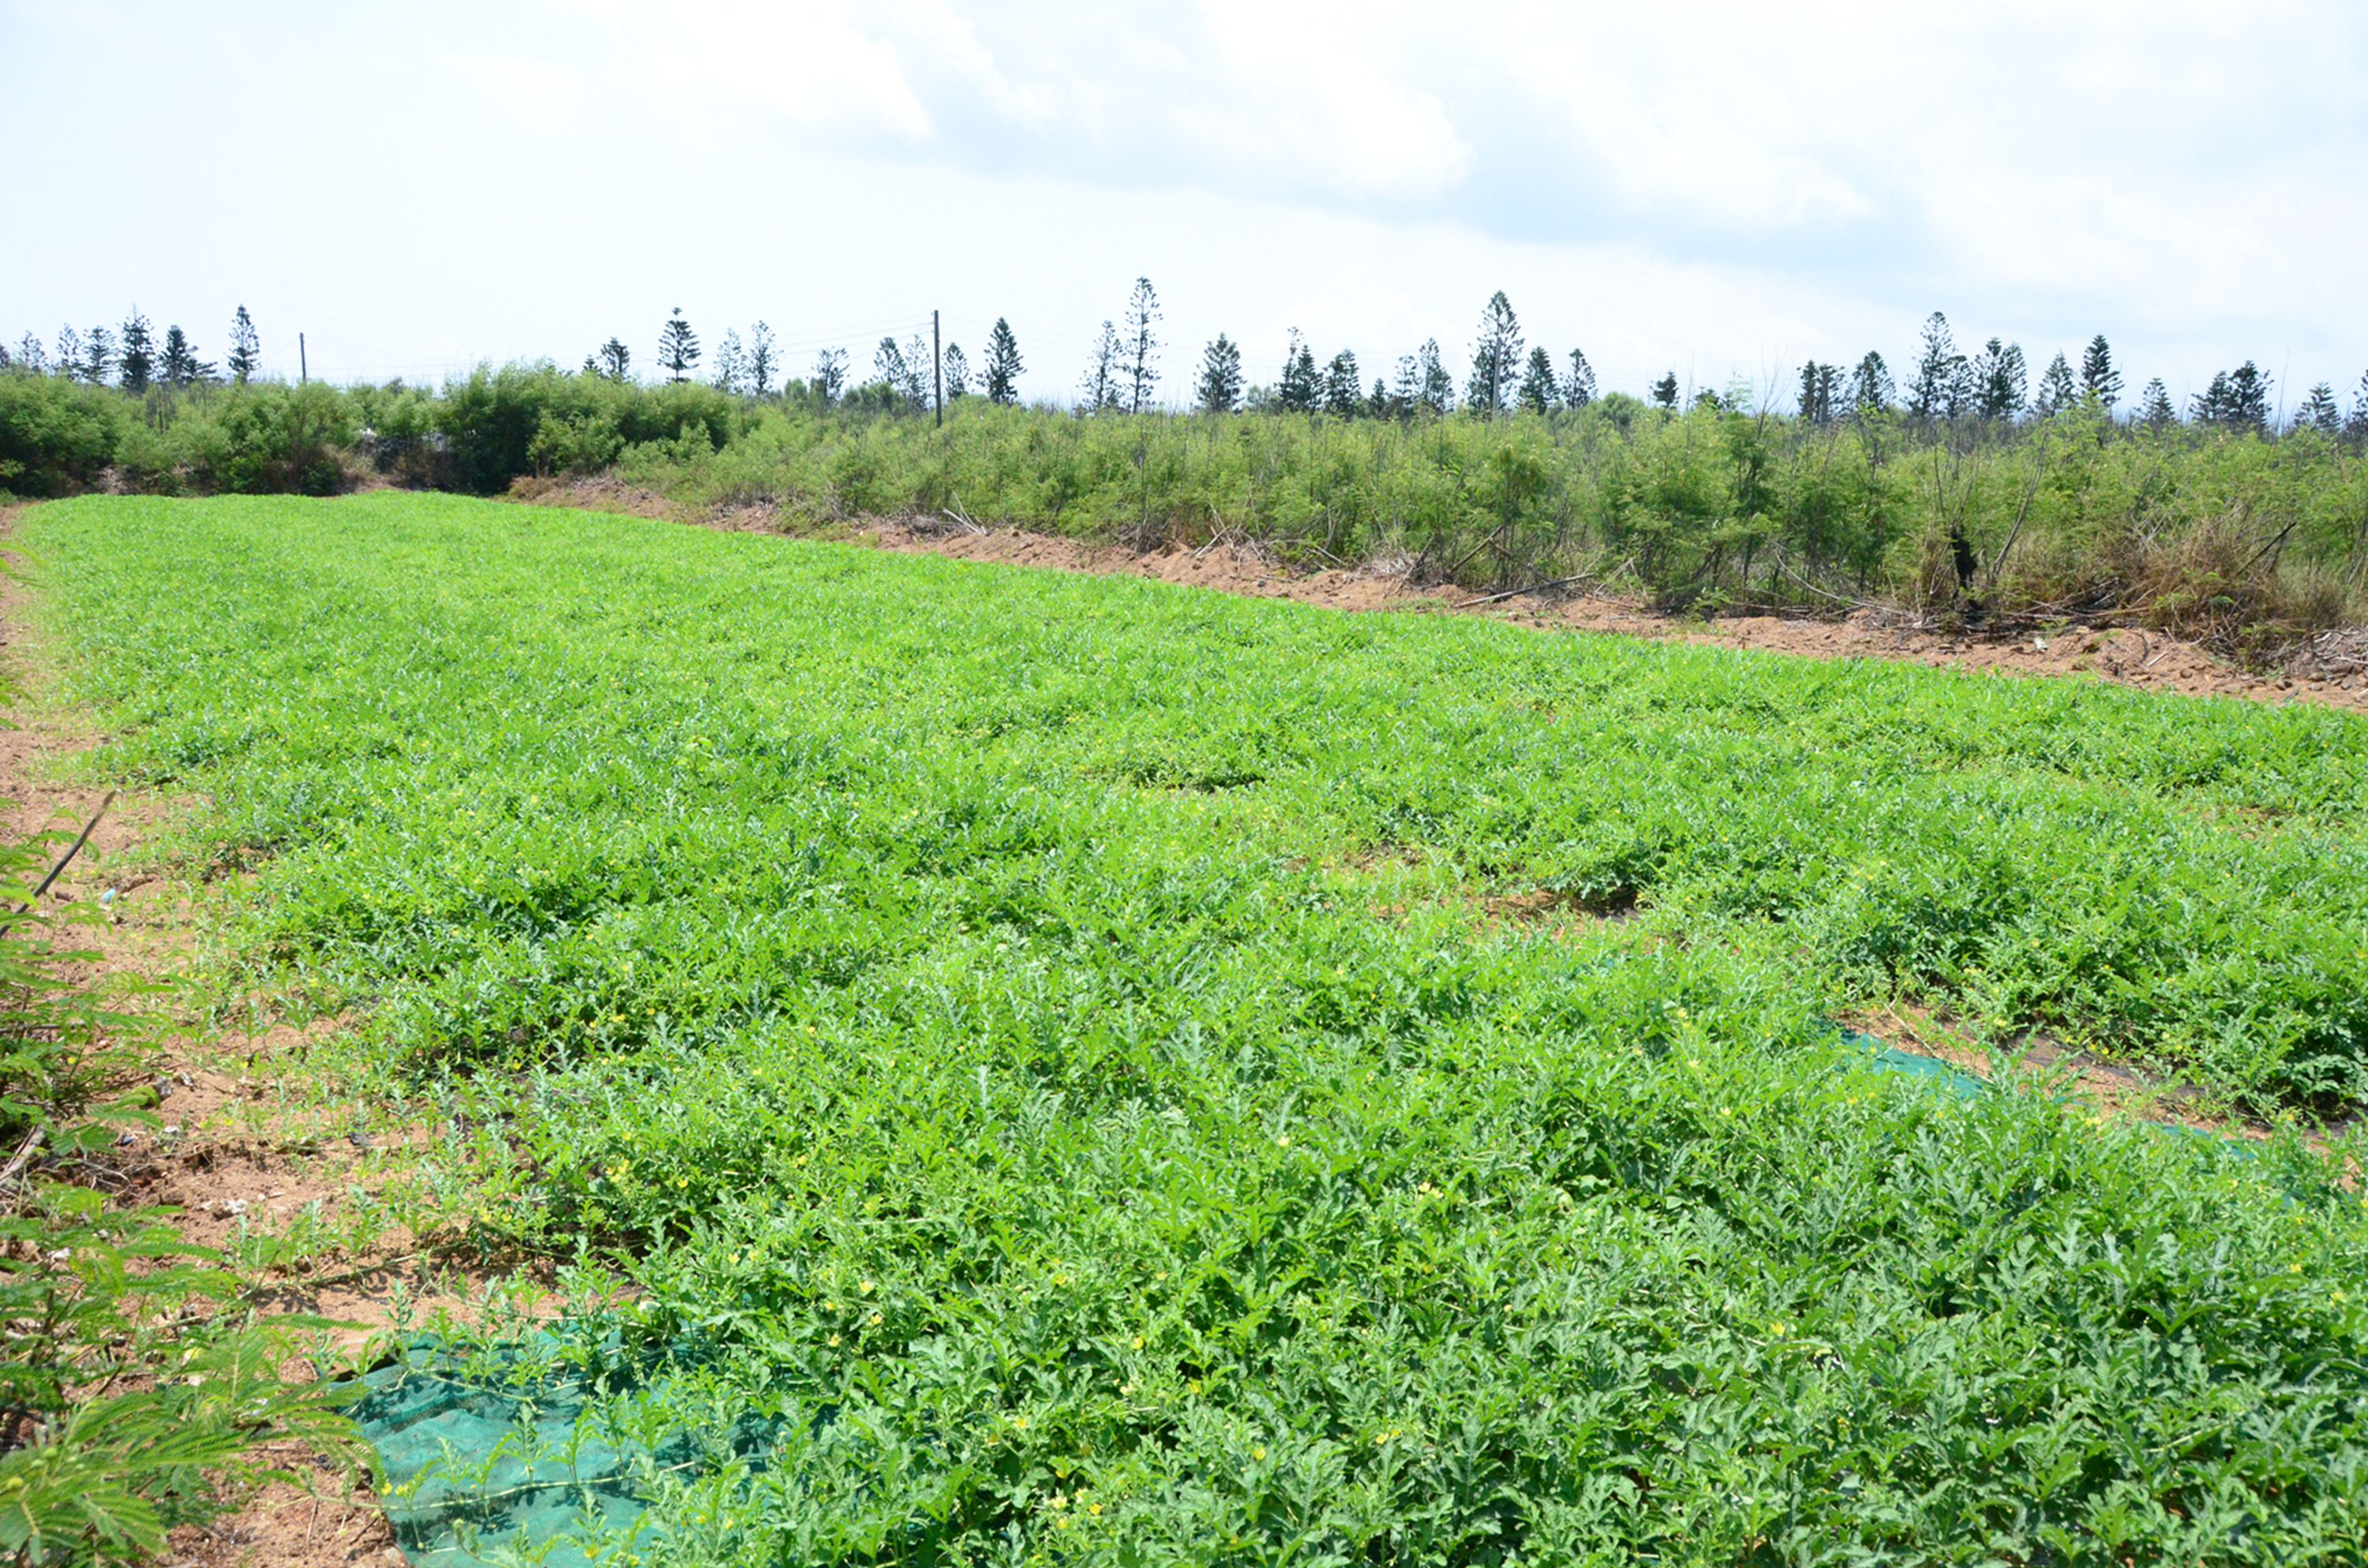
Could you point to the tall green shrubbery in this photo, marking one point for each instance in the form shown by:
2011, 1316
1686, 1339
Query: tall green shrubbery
2227, 532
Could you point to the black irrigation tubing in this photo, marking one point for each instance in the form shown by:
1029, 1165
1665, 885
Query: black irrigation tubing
67, 858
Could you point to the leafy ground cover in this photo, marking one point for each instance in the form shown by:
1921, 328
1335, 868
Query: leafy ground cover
1063, 1065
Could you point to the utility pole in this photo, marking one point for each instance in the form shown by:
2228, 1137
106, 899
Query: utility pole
302, 374
937, 360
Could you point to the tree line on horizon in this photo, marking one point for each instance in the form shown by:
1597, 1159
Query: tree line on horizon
1944, 386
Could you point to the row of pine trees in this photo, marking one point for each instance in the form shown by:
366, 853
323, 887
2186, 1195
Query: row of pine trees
1944, 386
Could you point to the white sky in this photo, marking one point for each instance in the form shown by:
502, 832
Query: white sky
1719, 188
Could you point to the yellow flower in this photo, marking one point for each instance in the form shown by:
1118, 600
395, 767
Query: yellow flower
1257, 1453
833, 1339
1138, 1342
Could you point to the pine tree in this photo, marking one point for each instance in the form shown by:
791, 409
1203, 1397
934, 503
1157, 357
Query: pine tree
246, 348
957, 372
1099, 394
2320, 411
2096, 373
919, 365
1220, 388
179, 366
1344, 386
1495, 358
613, 360
1539, 390
97, 356
1871, 386
30, 356
2001, 383
678, 348
1578, 387
1664, 391
2248, 397
1299, 391
1379, 404
1438, 393
1820, 389
69, 353
1938, 388
2355, 429
2156, 409
889, 369
763, 359
136, 362
730, 367
2057, 389
830, 376
1003, 366
1142, 357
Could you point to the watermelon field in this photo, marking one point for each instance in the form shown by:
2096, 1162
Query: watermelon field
1058, 1069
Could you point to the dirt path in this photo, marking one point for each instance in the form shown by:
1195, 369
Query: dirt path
245, 1148
2148, 660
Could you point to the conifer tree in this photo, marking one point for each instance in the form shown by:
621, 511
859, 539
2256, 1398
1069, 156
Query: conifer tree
2320, 411
1003, 367
678, 348
7, 360
957, 372
763, 359
69, 353
1664, 391
611, 360
136, 362
1578, 386
2155, 408
1438, 393
179, 366
2248, 399
97, 356
2001, 383
889, 369
2355, 429
1379, 403
829, 375
1871, 386
1141, 345
918, 368
1100, 391
1220, 388
1538, 392
246, 348
30, 356
2058, 389
1495, 358
730, 368
1344, 386
1299, 391
1934, 393
2096, 373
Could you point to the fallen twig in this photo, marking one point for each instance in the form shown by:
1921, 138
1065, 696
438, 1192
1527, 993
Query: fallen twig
67, 858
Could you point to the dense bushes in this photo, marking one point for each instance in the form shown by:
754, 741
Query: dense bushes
58, 437
2230, 535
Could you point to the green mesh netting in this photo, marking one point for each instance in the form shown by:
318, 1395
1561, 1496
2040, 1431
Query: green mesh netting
506, 1455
